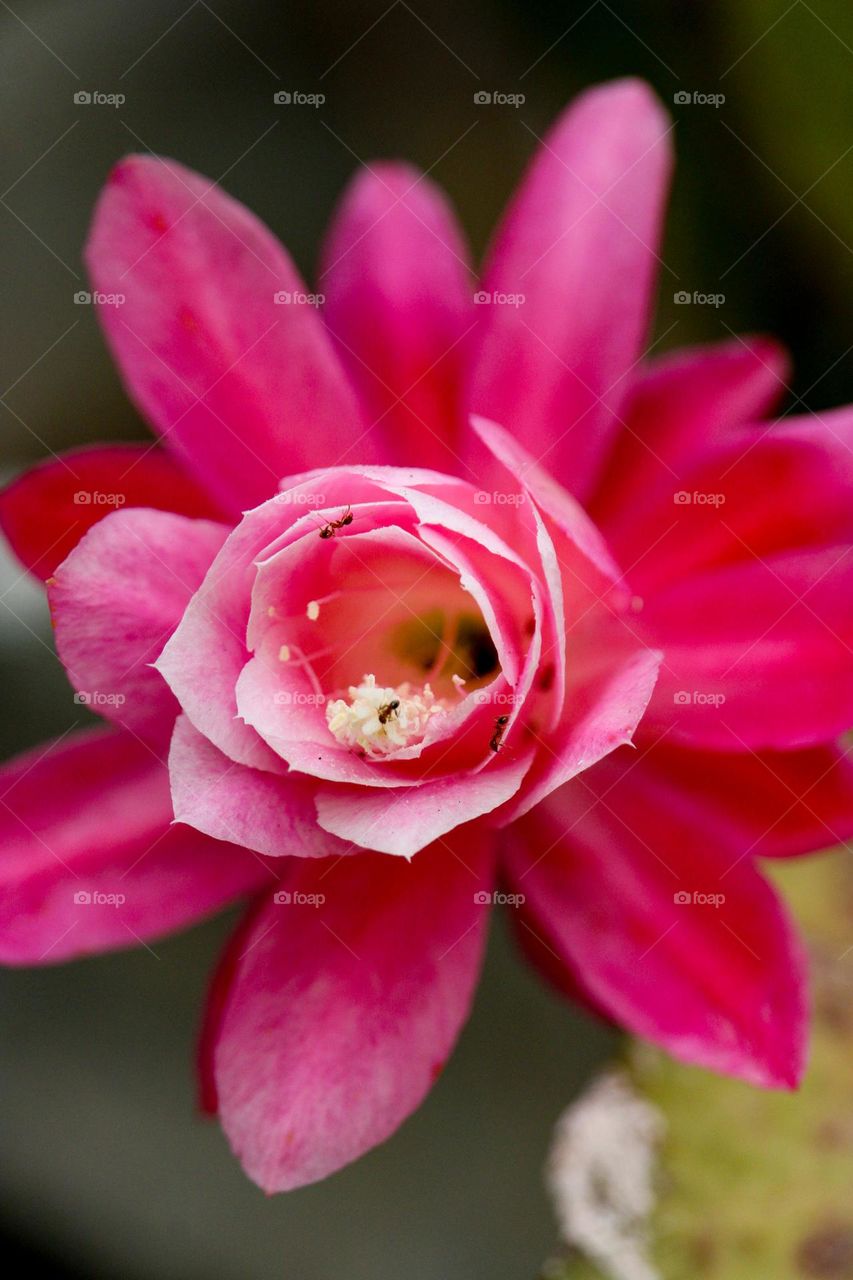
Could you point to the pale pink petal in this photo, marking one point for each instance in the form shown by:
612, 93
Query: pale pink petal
603, 712
579, 245
399, 301
330, 1022
403, 821
90, 859
661, 925
265, 812
757, 654
116, 600
244, 389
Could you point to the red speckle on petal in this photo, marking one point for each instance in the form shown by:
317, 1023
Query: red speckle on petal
159, 223
188, 320
436, 1070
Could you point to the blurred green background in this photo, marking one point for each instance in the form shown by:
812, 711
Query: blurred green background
104, 1168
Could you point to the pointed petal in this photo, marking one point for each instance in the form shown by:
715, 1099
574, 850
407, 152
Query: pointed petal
335, 1011
663, 927
90, 859
228, 377
45, 512
579, 245
399, 301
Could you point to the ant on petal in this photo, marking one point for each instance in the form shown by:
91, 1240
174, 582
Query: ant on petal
500, 726
328, 530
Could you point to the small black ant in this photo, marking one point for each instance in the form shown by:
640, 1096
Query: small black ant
500, 726
385, 712
328, 530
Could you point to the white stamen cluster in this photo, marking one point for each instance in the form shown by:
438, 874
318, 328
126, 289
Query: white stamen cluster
369, 722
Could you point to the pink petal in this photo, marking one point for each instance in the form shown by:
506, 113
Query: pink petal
331, 1022
405, 820
604, 867
229, 378
682, 407
399, 300
267, 813
579, 242
45, 512
116, 600
757, 655
90, 860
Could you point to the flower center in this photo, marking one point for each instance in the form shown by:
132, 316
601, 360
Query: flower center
379, 719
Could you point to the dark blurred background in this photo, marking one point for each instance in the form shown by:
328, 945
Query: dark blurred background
105, 1170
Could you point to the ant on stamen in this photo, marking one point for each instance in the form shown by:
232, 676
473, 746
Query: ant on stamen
500, 726
328, 530
385, 712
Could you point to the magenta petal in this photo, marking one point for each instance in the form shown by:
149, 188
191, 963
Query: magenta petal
45, 512
116, 600
228, 377
579, 247
661, 927
268, 813
683, 407
91, 861
757, 653
330, 1022
399, 301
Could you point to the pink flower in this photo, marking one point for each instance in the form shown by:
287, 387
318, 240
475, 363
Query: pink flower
398, 684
